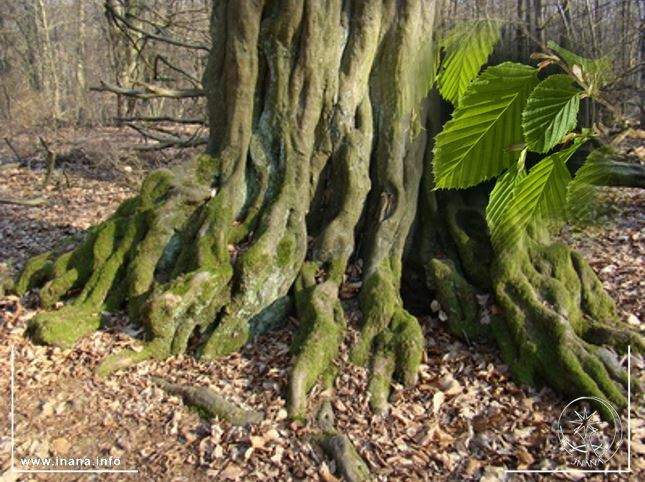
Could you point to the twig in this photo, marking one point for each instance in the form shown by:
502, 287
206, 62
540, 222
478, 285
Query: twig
162, 59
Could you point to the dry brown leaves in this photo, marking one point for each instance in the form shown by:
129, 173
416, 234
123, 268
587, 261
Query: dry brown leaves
465, 420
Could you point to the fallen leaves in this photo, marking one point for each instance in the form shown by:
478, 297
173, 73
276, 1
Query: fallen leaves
464, 420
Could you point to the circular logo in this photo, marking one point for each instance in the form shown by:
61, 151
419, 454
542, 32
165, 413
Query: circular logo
584, 434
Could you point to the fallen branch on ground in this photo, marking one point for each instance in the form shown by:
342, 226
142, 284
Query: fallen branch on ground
23, 202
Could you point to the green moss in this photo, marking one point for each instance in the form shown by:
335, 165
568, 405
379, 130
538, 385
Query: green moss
284, 253
201, 411
207, 168
155, 185
65, 326
596, 302
383, 365
545, 293
458, 300
230, 335
127, 208
38, 269
378, 300
408, 344
322, 325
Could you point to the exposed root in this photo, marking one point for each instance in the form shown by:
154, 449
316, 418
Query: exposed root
63, 327
349, 463
457, 299
210, 403
322, 325
339, 448
555, 309
391, 333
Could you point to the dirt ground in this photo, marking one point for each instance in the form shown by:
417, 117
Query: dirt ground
465, 420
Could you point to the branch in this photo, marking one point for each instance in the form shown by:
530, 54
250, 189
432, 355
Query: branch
165, 141
23, 202
149, 91
162, 38
160, 58
176, 120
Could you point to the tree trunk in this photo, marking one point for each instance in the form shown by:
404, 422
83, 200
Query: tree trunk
50, 70
319, 155
80, 93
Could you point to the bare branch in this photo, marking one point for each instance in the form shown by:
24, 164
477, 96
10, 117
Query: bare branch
149, 91
165, 141
162, 59
155, 36
176, 120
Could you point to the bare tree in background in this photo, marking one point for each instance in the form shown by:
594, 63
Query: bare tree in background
150, 54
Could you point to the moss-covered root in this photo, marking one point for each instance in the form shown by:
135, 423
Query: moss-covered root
398, 352
210, 403
63, 327
350, 465
322, 325
551, 301
119, 361
391, 334
458, 300
114, 262
109, 248
263, 276
171, 315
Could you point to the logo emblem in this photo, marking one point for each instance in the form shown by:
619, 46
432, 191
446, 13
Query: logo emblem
584, 435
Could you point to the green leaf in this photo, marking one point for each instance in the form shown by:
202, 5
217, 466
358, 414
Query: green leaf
540, 196
501, 197
600, 68
551, 111
475, 144
467, 49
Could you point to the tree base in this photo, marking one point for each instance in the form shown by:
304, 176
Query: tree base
162, 255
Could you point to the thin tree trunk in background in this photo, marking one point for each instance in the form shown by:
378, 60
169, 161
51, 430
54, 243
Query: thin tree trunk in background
81, 82
50, 72
27, 25
125, 52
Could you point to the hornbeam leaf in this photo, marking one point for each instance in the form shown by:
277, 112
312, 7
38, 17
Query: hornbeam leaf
467, 48
540, 196
473, 145
501, 197
551, 111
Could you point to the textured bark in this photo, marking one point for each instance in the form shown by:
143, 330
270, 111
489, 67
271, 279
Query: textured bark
319, 149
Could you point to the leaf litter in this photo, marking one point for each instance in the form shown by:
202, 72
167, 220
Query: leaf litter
465, 419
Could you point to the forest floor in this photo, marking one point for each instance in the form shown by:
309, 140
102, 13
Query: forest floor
465, 419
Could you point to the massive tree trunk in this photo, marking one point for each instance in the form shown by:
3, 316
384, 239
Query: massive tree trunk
319, 155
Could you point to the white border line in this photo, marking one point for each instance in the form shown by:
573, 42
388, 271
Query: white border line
629, 439
52, 471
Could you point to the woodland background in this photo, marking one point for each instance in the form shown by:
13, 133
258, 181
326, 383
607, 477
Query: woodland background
55, 54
